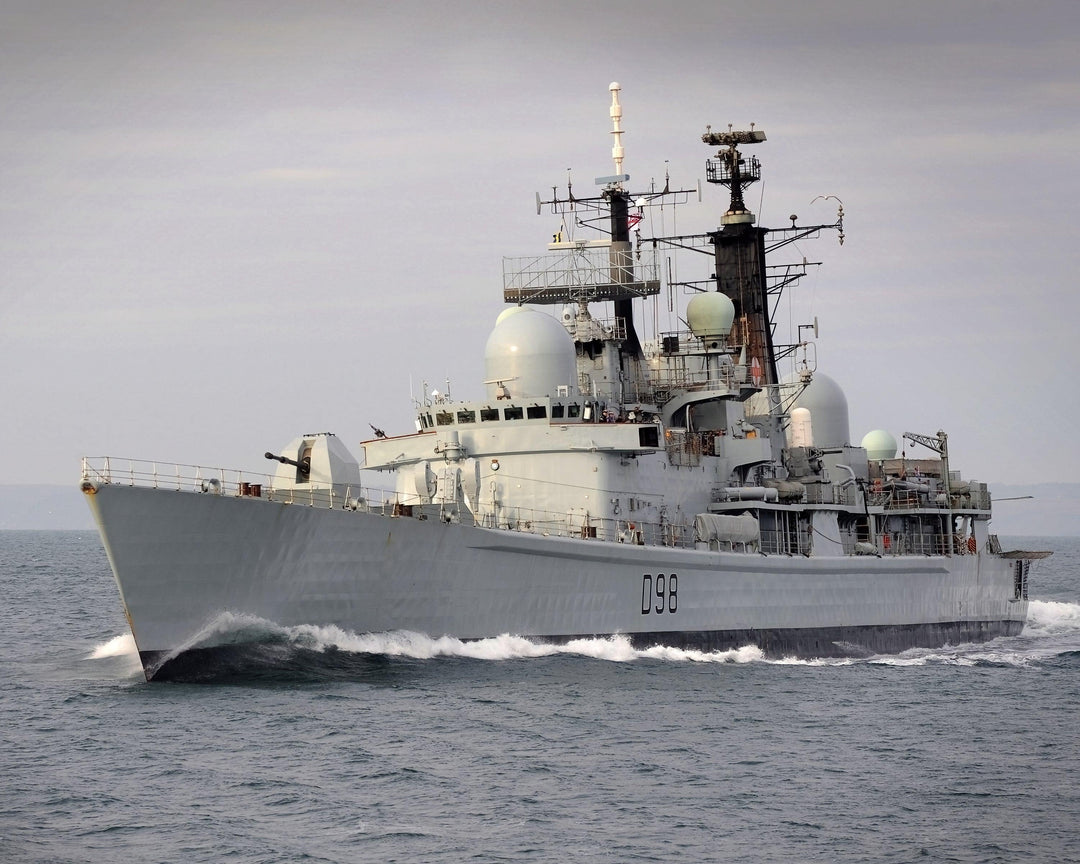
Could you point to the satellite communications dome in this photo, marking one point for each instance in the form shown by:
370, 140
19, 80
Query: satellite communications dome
710, 315
507, 312
828, 409
879, 445
529, 354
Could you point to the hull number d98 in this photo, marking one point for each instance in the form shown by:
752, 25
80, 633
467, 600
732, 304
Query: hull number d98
659, 594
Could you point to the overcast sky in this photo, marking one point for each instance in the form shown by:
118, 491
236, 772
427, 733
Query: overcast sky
225, 224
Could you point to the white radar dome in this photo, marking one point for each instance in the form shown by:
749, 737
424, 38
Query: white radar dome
879, 445
506, 313
529, 354
828, 409
710, 315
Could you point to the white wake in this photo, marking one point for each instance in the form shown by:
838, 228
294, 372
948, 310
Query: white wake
1052, 628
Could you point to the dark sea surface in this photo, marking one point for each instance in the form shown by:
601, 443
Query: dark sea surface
331, 747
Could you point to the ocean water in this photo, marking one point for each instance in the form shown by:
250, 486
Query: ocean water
326, 746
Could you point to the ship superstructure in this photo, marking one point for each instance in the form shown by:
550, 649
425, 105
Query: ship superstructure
670, 486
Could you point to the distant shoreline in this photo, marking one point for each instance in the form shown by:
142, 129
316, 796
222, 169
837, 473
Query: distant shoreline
44, 508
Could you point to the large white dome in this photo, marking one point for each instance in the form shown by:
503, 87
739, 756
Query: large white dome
828, 410
530, 354
825, 401
507, 312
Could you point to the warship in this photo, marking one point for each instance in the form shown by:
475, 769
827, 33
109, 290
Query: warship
666, 485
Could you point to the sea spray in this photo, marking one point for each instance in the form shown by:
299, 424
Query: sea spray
119, 646
1052, 618
1052, 629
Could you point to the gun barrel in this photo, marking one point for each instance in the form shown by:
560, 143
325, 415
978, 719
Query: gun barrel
304, 466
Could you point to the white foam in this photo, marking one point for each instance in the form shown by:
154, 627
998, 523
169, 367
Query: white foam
1052, 628
402, 643
1052, 618
812, 661
1046, 618
119, 646
924, 657
230, 628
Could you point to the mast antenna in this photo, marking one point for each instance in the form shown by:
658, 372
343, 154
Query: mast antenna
730, 169
616, 129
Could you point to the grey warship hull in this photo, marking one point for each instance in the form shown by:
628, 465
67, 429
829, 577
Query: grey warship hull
189, 565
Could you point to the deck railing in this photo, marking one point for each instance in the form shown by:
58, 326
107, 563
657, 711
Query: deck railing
895, 544
910, 499
383, 502
227, 481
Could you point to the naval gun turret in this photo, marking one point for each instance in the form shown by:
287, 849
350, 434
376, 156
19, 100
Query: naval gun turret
318, 467
303, 467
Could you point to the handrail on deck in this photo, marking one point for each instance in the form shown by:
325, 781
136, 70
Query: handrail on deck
247, 484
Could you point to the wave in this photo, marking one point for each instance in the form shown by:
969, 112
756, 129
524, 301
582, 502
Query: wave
1052, 618
234, 629
1053, 630
119, 655
119, 646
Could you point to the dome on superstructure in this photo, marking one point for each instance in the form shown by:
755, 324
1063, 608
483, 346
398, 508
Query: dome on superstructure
879, 445
800, 431
822, 397
507, 312
710, 315
529, 354
828, 408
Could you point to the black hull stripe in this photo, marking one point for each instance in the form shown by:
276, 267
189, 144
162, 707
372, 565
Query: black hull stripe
811, 642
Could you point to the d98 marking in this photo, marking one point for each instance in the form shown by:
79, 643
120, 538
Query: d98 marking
659, 594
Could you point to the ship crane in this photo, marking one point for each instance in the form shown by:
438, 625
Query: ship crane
940, 445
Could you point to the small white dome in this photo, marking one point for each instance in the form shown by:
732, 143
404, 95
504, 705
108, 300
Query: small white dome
710, 315
801, 431
529, 354
879, 445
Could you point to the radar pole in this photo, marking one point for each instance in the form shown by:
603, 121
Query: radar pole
621, 255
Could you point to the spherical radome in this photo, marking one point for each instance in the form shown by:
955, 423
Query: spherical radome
507, 312
710, 315
529, 354
879, 445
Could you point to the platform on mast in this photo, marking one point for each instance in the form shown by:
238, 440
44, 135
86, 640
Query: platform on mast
587, 273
